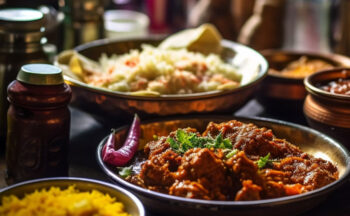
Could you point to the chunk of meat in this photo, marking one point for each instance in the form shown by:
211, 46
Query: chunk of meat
169, 157
293, 189
313, 173
244, 168
157, 170
202, 163
153, 174
206, 168
252, 140
249, 191
276, 175
189, 189
273, 189
156, 147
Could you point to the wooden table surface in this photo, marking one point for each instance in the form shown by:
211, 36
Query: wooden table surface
86, 134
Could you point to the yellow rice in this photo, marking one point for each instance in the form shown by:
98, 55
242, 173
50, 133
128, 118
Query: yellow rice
66, 202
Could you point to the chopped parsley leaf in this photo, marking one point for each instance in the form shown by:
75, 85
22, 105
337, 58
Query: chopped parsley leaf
183, 141
263, 161
125, 171
231, 153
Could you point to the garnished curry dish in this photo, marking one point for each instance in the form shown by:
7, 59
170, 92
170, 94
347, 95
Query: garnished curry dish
228, 161
302, 68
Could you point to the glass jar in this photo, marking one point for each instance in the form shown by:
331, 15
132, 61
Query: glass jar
21, 32
306, 26
83, 21
38, 124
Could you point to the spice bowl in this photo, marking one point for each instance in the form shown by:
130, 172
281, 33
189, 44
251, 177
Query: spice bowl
325, 111
132, 204
281, 94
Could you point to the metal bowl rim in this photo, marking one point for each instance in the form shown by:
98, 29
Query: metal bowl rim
130, 195
263, 69
245, 204
335, 58
311, 88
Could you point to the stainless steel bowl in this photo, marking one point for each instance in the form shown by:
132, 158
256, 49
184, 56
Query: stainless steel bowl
131, 203
120, 107
309, 140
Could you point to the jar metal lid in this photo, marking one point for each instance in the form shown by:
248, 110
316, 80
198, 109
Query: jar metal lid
17, 20
18, 15
40, 74
19, 26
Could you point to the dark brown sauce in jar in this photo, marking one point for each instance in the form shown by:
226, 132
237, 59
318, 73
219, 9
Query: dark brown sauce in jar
340, 86
38, 124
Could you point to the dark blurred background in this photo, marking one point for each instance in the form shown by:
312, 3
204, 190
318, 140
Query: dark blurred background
305, 25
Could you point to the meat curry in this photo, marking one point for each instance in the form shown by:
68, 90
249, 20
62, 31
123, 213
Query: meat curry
229, 161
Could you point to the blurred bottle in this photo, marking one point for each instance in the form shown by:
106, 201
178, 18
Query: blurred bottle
217, 12
177, 14
307, 25
264, 29
53, 20
53, 30
241, 11
227, 15
157, 12
83, 21
342, 37
28, 4
167, 16
125, 24
134, 5
21, 34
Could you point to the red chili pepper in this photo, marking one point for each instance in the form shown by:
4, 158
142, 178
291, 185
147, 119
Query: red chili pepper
124, 154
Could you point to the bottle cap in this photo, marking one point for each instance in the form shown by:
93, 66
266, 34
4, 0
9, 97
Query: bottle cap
40, 74
21, 24
21, 20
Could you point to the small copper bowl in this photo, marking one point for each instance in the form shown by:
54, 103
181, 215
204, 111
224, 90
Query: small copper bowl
325, 111
283, 94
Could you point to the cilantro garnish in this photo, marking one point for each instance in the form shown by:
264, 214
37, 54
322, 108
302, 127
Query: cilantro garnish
222, 143
125, 171
263, 161
231, 153
184, 141
173, 144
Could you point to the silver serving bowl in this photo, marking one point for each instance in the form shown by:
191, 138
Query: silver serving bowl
131, 203
309, 140
120, 107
